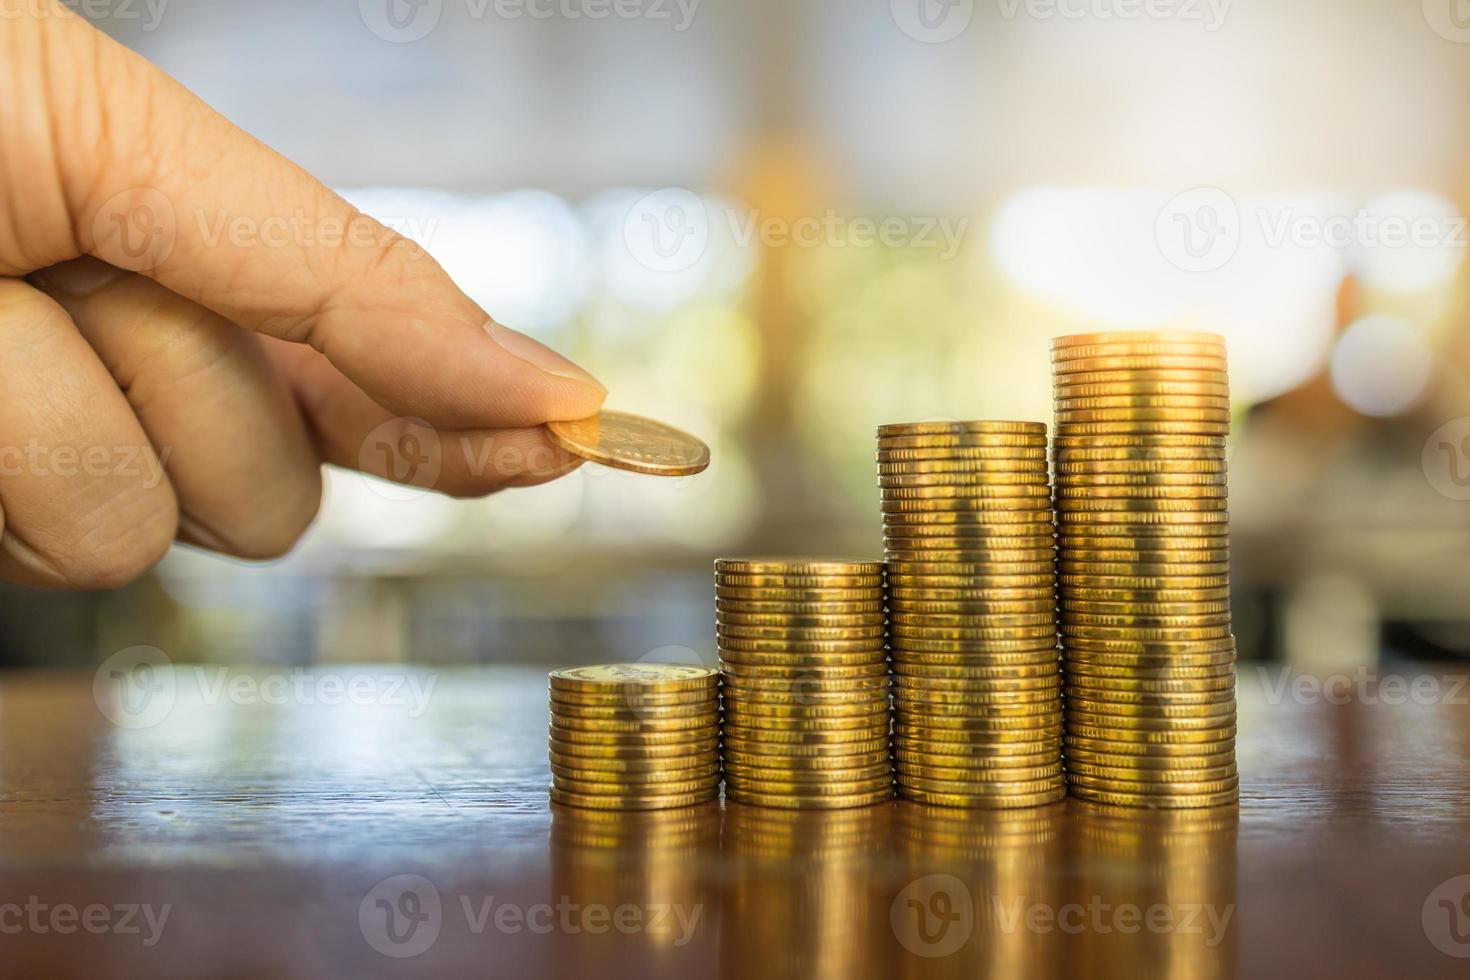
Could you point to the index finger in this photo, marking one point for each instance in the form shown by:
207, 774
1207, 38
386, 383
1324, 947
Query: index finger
183, 196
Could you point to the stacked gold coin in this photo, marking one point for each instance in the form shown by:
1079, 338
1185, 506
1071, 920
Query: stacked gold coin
806, 682
635, 736
970, 547
1148, 654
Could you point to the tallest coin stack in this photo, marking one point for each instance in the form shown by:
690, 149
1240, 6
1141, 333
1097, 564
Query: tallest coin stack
1143, 544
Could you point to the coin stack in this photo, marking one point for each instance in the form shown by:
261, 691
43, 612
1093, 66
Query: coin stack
969, 540
1148, 654
806, 684
635, 736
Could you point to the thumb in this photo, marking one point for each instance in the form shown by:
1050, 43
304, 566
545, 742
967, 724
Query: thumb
155, 181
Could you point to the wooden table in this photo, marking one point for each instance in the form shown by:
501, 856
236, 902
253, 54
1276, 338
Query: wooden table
278, 828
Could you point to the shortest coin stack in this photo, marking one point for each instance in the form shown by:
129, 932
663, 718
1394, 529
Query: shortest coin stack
635, 736
805, 683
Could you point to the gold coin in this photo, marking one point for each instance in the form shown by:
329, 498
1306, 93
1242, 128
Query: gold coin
1038, 575
1138, 523
1040, 679
808, 789
1042, 538
737, 742
1151, 427
838, 782
976, 762
628, 712
984, 748
1072, 592
731, 594
1152, 685
982, 466
1027, 735
996, 560
1092, 442
970, 634
647, 678
642, 780
963, 801
633, 726
668, 752
791, 699
919, 773
1154, 714
1198, 537
1045, 617
1069, 565
1075, 402
1140, 362
1125, 457
1143, 634
800, 567
995, 528
1147, 386
998, 496
900, 608
799, 621
820, 675
859, 712
929, 486
1144, 419
765, 644
918, 702
1173, 787
1141, 470
868, 580
1036, 508
634, 766
1161, 802
750, 798
1073, 380
1069, 341
734, 660
1145, 608
809, 684
1157, 777
986, 426
1164, 478
970, 658
909, 674
924, 723
646, 802
1147, 622
870, 725
1070, 585
1155, 748
979, 788
1034, 450
1133, 651
598, 788
1122, 557
903, 646
976, 522
804, 634
1133, 762
810, 763
630, 442
967, 440
1142, 505
818, 610
1160, 671
1089, 728
634, 700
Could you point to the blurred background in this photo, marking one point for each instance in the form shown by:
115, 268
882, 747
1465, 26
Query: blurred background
781, 223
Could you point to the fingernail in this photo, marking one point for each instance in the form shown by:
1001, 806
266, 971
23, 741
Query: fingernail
534, 352
78, 278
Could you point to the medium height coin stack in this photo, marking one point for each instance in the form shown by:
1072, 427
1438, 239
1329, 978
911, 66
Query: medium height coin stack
970, 547
806, 682
1148, 654
634, 736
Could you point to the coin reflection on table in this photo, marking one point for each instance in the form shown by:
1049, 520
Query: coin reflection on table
635, 886
971, 880
801, 899
1163, 884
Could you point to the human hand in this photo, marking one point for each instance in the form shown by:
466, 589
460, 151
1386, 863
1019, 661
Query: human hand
162, 380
